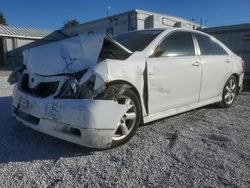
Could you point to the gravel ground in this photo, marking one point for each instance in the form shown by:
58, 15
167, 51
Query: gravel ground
5, 72
207, 147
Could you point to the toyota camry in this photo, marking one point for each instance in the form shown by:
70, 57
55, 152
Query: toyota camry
95, 90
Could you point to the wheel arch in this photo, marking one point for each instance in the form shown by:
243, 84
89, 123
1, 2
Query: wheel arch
236, 76
132, 87
237, 79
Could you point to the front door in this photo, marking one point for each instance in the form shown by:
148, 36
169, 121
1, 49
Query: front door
174, 73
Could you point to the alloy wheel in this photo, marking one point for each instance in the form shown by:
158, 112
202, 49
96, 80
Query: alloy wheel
128, 120
230, 91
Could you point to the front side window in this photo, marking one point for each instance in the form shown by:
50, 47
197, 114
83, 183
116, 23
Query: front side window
208, 46
176, 44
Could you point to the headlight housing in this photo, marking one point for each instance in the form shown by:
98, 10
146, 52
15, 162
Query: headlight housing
72, 89
69, 89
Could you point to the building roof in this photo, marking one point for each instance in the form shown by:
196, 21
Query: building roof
23, 32
127, 12
167, 15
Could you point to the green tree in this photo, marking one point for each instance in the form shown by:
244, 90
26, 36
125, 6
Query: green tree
70, 23
2, 19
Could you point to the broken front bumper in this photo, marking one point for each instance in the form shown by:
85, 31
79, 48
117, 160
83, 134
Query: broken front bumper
86, 122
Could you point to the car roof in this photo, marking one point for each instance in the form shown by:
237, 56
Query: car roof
141, 30
165, 30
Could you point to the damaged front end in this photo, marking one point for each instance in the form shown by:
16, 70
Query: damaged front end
68, 109
58, 91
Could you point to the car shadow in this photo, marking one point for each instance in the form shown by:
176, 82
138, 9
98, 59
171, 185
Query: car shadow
19, 143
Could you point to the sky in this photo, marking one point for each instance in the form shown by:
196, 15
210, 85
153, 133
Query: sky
52, 14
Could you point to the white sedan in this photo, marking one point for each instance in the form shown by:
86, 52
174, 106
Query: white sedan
95, 90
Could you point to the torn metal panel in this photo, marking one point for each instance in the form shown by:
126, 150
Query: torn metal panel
66, 56
70, 55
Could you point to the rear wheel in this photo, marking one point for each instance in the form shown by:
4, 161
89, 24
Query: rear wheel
130, 121
229, 92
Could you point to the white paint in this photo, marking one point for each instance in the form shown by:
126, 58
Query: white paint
180, 109
173, 82
215, 72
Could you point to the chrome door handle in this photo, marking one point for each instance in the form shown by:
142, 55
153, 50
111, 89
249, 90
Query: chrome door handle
196, 63
227, 61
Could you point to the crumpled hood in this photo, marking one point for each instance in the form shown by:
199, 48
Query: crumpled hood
65, 56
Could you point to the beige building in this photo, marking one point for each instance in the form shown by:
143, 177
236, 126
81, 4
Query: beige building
128, 21
14, 40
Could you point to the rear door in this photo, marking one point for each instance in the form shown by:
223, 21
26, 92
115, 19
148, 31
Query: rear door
215, 66
174, 73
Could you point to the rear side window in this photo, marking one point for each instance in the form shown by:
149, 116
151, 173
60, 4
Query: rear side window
208, 46
176, 44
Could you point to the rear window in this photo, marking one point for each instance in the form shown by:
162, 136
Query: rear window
137, 40
208, 46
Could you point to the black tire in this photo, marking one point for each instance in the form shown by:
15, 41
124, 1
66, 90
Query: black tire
229, 93
128, 94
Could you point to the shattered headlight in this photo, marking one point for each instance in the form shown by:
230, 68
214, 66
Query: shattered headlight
69, 89
72, 89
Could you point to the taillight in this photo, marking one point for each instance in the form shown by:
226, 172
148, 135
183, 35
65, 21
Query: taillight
243, 65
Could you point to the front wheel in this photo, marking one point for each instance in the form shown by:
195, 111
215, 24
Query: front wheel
229, 93
130, 121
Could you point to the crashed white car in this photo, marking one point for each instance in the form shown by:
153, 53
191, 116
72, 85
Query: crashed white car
95, 90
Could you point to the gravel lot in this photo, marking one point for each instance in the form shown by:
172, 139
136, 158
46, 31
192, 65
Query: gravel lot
207, 147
